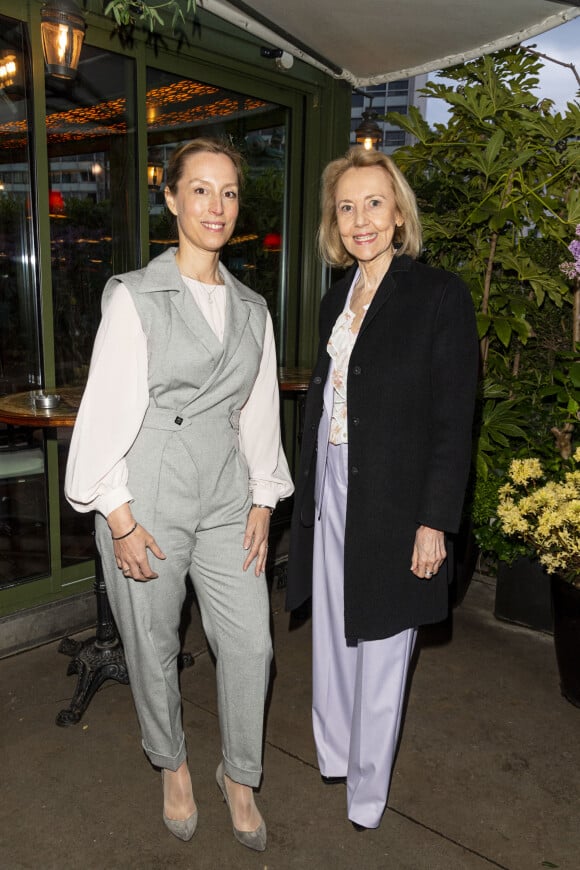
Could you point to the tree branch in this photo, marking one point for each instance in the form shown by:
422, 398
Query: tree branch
569, 66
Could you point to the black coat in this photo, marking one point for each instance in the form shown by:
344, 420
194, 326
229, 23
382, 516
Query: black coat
410, 392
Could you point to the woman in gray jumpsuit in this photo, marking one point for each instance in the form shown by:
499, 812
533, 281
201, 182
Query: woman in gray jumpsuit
177, 449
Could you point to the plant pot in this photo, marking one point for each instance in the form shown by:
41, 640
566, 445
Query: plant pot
566, 599
522, 594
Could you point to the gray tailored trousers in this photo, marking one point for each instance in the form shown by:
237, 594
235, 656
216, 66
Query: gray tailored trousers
190, 488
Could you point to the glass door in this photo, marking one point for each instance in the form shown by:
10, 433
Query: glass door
19, 337
92, 199
181, 109
24, 548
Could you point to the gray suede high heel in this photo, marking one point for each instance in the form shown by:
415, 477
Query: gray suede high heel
252, 839
183, 829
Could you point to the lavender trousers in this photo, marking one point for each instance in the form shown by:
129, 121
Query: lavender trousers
358, 690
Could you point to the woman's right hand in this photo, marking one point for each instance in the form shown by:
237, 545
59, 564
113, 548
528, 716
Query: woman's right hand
131, 551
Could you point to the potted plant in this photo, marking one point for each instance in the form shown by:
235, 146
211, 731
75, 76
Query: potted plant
544, 511
543, 415
522, 593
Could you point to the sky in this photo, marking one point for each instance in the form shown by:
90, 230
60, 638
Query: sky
556, 82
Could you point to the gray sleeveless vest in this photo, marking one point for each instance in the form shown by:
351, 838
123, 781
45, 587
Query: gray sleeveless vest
197, 386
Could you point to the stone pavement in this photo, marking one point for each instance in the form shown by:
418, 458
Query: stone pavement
488, 773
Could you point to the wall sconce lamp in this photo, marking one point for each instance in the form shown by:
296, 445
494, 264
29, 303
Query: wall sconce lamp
7, 70
62, 29
154, 175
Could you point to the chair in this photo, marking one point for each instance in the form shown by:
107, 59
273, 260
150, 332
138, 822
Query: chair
23, 513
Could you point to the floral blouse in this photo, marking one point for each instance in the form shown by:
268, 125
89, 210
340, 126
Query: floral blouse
340, 345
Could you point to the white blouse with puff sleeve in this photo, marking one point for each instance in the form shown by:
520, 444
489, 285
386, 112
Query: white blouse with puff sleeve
117, 389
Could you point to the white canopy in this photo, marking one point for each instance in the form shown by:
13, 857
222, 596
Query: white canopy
372, 41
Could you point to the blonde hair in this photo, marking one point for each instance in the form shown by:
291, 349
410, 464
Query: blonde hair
198, 146
407, 238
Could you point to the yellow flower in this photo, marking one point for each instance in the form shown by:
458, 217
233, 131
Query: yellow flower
511, 518
545, 516
523, 470
547, 520
549, 562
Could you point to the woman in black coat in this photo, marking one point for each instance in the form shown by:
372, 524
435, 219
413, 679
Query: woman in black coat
384, 465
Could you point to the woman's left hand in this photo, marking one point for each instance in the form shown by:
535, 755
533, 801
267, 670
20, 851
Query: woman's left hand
429, 552
256, 538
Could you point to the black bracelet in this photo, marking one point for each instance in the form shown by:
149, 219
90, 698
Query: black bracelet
126, 535
266, 507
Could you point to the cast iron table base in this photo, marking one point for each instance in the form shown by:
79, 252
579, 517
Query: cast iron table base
97, 659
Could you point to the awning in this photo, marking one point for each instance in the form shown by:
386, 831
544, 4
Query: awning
372, 41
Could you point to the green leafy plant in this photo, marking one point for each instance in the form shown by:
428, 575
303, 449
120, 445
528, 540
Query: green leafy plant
501, 420
487, 529
130, 12
507, 429
498, 186
503, 168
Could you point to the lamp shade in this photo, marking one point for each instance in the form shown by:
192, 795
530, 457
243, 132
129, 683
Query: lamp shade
63, 29
8, 70
154, 174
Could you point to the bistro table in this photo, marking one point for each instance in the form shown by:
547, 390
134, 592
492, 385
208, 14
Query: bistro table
294, 384
100, 657
18, 409
294, 379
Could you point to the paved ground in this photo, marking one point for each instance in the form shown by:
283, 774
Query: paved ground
488, 774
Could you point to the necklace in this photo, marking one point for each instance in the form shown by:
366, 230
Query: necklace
208, 289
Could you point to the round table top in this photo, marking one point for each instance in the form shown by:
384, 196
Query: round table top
18, 409
294, 380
